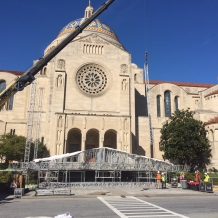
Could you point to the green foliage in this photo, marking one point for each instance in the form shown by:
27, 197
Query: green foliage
33, 176
5, 176
183, 141
12, 147
213, 170
3, 166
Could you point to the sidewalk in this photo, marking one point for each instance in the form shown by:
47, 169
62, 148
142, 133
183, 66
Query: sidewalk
136, 192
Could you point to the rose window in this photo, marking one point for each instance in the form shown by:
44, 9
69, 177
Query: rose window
92, 79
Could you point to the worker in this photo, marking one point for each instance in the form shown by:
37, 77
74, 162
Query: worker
163, 180
197, 176
182, 176
206, 178
158, 180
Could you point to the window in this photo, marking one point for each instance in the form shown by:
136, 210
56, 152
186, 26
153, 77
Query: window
43, 71
11, 102
176, 100
2, 85
167, 104
158, 106
12, 132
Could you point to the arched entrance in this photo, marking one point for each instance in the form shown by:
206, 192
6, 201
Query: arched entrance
110, 139
74, 140
92, 139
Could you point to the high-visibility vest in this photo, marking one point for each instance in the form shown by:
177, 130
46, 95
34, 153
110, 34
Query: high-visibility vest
206, 179
158, 177
163, 178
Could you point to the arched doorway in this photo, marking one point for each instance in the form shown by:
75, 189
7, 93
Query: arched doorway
110, 139
92, 139
74, 140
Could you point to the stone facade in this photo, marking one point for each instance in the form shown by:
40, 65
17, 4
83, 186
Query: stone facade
93, 96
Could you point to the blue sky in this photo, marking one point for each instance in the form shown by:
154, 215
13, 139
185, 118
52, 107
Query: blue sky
181, 36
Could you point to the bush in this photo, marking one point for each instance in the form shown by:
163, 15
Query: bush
5, 177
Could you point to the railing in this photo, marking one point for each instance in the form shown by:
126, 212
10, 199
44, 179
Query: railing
49, 166
72, 185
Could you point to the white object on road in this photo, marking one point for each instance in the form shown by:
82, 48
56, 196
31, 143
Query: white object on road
65, 215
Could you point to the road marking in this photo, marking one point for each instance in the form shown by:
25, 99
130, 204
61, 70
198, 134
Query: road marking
132, 207
38, 217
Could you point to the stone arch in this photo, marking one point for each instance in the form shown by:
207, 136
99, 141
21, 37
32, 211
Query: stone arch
110, 139
74, 138
2, 85
92, 139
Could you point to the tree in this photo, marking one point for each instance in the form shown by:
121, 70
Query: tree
184, 141
12, 147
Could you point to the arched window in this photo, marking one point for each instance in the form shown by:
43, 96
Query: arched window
2, 85
158, 106
176, 101
167, 104
44, 71
10, 104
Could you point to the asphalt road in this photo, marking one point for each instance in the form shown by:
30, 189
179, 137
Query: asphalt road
192, 207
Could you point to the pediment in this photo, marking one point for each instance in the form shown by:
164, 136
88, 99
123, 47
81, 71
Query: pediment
94, 39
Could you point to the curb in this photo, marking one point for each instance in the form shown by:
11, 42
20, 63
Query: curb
109, 195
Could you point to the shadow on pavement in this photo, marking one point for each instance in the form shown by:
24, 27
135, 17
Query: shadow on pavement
5, 199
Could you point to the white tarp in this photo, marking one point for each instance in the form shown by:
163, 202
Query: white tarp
55, 157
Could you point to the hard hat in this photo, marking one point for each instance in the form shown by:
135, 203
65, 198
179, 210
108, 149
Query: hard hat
158, 171
162, 173
205, 173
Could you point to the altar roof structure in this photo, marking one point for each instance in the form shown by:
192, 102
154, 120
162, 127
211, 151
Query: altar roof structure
103, 159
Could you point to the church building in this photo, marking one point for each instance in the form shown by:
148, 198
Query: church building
93, 96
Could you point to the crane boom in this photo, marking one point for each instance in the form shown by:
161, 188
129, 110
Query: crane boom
28, 77
149, 105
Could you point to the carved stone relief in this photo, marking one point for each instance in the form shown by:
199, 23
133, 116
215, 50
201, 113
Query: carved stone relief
94, 39
124, 69
126, 124
61, 64
60, 80
59, 133
125, 85
60, 121
125, 136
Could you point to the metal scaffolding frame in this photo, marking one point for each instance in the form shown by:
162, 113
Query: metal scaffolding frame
29, 127
38, 122
149, 105
107, 164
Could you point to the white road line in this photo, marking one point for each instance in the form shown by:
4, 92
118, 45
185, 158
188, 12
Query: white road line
133, 207
112, 208
162, 208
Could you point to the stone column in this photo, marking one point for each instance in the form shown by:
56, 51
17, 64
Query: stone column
118, 142
101, 142
83, 144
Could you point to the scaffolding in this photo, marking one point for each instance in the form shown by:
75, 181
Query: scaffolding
101, 165
29, 127
148, 105
38, 122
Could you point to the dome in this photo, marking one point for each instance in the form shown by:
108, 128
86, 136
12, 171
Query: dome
96, 26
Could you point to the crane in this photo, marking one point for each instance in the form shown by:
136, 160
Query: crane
28, 77
148, 104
